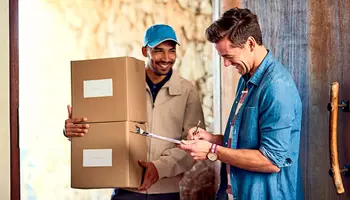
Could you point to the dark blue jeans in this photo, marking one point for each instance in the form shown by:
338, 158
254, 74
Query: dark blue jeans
120, 194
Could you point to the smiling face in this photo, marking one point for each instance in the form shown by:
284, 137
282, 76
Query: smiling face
241, 58
161, 58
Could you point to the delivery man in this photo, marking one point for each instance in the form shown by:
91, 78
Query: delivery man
173, 106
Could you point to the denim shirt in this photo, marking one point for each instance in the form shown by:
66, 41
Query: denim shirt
269, 121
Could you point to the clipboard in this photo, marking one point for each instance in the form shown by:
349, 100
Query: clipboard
152, 135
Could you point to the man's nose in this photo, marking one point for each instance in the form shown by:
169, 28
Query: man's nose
166, 57
227, 62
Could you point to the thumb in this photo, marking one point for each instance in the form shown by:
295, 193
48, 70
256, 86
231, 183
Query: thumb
142, 164
186, 145
69, 108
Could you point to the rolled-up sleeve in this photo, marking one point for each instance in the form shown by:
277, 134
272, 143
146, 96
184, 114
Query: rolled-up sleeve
275, 123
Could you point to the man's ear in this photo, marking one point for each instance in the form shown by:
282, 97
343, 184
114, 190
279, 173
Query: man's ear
251, 43
144, 51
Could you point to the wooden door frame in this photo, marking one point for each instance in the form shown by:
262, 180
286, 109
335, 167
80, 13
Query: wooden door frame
14, 101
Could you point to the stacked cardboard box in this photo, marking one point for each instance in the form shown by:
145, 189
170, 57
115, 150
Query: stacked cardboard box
110, 93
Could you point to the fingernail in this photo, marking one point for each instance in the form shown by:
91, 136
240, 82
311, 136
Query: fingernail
85, 119
82, 134
87, 125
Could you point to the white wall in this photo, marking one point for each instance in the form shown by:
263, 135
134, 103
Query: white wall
4, 102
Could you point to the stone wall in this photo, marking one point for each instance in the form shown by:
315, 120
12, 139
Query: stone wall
54, 32
105, 28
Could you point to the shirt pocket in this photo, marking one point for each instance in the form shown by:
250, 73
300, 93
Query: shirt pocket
248, 133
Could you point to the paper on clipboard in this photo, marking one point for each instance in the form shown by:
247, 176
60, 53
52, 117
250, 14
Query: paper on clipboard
152, 135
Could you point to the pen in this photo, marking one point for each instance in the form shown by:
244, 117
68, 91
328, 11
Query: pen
196, 131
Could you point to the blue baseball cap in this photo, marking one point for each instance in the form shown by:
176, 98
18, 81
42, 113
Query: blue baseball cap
159, 33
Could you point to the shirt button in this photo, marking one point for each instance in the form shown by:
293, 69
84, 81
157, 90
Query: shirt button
225, 143
154, 86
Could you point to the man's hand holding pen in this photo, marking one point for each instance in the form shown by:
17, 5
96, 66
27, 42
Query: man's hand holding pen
197, 133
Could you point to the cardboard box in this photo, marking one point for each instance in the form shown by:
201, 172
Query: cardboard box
109, 89
107, 156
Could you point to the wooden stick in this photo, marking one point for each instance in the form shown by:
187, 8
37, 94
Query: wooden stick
333, 144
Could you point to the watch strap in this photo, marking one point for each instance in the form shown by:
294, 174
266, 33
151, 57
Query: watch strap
213, 148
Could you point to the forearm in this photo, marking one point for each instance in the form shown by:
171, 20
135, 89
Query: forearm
247, 159
173, 162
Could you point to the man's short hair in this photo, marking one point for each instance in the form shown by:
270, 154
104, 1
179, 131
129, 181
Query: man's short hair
237, 25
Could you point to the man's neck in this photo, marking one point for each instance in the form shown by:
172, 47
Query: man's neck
154, 77
260, 53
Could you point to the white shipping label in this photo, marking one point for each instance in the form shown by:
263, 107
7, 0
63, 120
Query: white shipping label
97, 157
98, 88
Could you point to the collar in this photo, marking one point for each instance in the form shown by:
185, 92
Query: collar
173, 84
161, 83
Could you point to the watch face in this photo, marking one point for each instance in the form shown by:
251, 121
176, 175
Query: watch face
212, 156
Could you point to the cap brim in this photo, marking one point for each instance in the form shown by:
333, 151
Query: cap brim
154, 44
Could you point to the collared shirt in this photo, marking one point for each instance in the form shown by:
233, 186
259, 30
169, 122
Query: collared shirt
269, 120
156, 87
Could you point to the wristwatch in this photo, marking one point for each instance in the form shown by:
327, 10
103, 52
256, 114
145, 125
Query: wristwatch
212, 153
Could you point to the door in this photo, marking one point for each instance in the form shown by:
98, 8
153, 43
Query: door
312, 39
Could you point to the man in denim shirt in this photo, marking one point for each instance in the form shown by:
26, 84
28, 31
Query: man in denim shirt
260, 148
